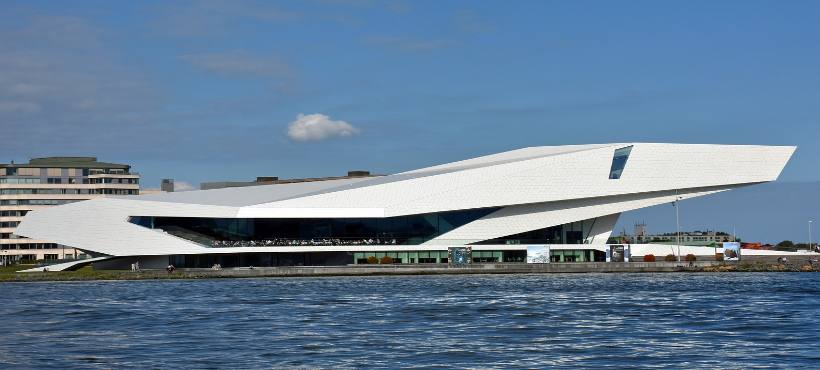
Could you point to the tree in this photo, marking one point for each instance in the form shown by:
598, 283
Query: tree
786, 245
691, 258
372, 260
386, 260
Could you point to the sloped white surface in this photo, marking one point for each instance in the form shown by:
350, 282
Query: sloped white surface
536, 188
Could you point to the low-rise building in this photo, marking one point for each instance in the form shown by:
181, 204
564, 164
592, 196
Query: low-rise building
697, 237
51, 181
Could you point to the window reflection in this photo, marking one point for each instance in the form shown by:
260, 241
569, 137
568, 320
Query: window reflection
619, 162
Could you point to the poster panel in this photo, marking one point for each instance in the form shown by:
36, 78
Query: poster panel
538, 254
460, 255
617, 253
731, 251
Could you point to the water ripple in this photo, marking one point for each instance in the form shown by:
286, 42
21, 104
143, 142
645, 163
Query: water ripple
499, 321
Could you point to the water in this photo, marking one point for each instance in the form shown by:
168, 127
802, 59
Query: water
584, 320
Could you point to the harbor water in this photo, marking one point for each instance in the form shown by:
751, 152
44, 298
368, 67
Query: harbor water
679, 320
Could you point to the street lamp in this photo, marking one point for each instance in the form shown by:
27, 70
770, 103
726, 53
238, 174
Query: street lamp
677, 222
810, 241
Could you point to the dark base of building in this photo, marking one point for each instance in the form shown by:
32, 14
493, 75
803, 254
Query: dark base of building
284, 259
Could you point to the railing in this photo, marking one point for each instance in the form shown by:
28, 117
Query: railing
280, 242
387, 241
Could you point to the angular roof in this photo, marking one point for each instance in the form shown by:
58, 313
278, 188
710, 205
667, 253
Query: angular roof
533, 188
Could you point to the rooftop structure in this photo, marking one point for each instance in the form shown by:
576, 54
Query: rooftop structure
273, 180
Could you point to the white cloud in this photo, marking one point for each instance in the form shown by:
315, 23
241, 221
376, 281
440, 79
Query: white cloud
310, 127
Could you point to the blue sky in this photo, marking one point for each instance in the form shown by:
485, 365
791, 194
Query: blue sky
207, 90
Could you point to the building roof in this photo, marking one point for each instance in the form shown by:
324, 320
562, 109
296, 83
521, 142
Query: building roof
273, 180
72, 162
533, 188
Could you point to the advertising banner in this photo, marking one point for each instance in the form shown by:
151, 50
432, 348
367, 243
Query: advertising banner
460, 255
616, 253
538, 254
731, 251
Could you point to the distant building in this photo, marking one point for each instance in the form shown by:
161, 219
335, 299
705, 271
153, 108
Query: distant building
273, 180
697, 237
167, 185
46, 182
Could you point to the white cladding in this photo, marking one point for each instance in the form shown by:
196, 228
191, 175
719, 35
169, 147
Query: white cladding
536, 188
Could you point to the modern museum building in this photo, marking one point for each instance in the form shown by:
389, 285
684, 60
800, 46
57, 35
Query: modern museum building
495, 207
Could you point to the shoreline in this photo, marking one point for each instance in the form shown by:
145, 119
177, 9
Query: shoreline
88, 274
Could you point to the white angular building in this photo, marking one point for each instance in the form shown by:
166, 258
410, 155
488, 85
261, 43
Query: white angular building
568, 197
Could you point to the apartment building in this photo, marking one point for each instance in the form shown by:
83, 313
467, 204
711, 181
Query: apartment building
46, 182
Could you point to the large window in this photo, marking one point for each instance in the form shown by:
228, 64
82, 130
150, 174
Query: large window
619, 162
15, 180
550, 235
229, 232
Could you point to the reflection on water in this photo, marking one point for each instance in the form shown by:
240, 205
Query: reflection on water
589, 320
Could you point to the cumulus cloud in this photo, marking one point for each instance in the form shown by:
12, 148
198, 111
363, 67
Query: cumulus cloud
312, 127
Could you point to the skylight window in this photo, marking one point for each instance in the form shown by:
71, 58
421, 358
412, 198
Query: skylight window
619, 162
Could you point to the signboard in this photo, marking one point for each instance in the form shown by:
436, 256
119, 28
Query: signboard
538, 254
616, 253
460, 255
731, 251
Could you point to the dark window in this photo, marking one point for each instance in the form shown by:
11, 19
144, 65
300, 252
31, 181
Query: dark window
619, 162
403, 230
550, 235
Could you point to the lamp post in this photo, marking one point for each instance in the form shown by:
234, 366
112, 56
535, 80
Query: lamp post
810, 241
677, 222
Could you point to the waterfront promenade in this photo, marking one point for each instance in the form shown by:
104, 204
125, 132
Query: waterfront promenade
87, 273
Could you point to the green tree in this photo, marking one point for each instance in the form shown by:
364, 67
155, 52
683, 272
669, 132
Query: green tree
786, 245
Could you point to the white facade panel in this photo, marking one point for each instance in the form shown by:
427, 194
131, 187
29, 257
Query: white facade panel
533, 187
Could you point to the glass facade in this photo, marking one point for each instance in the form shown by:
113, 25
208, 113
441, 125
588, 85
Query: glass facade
577, 255
228, 260
571, 233
619, 162
230, 232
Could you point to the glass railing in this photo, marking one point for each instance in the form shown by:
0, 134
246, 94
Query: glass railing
377, 241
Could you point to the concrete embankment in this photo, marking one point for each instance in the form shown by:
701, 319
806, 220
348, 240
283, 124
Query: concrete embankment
483, 268
375, 270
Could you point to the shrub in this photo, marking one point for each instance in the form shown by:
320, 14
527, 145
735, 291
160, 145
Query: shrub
649, 258
372, 260
386, 260
691, 258
670, 258
718, 257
